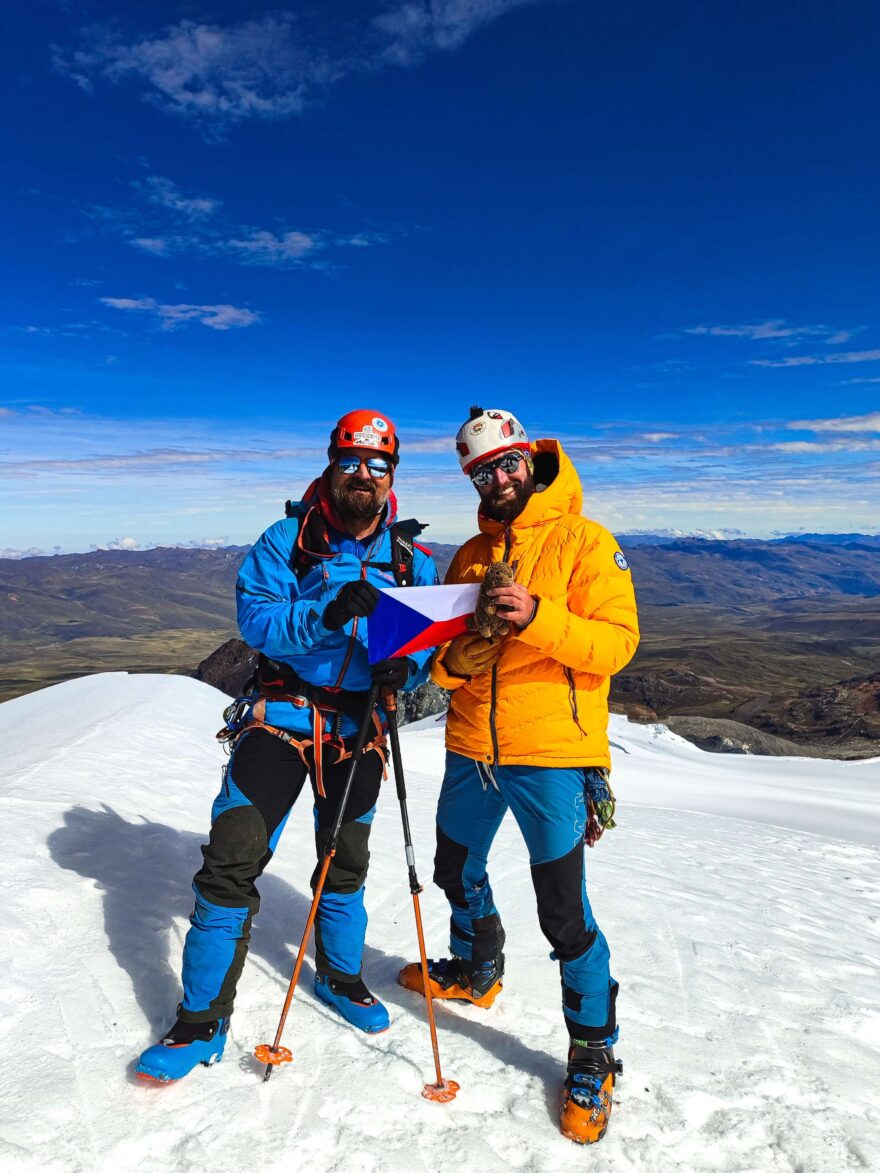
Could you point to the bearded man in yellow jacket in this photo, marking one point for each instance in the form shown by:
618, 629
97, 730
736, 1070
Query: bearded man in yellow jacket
527, 731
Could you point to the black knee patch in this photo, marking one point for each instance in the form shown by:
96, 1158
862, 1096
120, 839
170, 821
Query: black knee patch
559, 889
364, 789
269, 773
234, 857
449, 861
348, 868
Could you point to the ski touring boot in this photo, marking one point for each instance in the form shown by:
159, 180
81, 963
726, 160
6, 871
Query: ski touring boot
586, 1094
354, 1002
185, 1046
458, 980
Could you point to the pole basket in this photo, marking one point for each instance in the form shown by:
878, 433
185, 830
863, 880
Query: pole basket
442, 1092
273, 1056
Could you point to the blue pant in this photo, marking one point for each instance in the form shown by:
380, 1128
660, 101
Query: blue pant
263, 780
550, 808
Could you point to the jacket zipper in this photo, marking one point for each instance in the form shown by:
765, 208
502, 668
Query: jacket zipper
492, 728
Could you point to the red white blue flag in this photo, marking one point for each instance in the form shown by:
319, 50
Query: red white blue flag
411, 619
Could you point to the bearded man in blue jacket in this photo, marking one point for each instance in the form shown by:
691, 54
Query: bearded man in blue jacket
305, 593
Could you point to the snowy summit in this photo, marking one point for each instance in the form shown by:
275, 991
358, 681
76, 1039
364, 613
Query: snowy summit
741, 895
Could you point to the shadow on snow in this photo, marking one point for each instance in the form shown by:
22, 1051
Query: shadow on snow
142, 869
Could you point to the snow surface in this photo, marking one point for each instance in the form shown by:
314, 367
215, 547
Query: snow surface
740, 897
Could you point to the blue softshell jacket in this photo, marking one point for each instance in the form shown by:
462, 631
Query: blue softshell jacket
280, 615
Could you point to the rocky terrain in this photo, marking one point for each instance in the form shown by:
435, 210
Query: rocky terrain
770, 640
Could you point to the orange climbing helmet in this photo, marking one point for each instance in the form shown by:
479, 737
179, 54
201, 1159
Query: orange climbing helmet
365, 429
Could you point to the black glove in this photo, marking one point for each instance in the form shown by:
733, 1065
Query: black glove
392, 674
355, 600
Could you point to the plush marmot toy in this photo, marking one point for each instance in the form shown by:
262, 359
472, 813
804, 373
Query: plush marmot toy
486, 619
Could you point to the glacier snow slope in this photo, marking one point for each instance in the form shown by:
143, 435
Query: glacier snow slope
740, 896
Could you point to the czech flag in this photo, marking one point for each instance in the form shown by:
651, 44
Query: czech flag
411, 619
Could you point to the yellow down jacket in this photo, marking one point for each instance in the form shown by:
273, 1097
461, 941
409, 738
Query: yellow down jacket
545, 703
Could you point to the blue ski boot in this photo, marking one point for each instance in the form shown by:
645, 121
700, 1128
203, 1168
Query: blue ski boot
185, 1046
354, 1002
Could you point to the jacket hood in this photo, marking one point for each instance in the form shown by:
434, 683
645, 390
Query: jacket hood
563, 493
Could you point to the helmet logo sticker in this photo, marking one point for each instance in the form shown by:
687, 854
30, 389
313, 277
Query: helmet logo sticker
379, 424
366, 436
621, 561
494, 415
507, 428
476, 427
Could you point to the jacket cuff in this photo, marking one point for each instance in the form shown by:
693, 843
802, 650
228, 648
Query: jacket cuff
441, 677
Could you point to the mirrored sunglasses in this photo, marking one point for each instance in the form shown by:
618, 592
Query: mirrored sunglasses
508, 464
377, 466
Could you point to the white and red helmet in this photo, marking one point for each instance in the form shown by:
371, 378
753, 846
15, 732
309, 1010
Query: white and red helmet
486, 433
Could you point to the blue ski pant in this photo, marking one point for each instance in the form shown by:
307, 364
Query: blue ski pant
261, 783
550, 807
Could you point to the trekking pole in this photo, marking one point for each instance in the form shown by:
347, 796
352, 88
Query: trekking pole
274, 1054
444, 1089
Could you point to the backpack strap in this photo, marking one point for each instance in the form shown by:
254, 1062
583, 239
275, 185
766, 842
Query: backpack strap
403, 535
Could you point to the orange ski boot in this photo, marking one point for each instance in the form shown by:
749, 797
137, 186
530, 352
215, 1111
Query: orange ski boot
586, 1095
454, 979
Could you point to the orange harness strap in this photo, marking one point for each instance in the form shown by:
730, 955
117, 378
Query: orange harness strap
317, 741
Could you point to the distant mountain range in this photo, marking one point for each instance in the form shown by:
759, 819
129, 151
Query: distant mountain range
781, 635
123, 593
665, 539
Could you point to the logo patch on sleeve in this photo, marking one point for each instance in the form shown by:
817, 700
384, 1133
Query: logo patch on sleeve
621, 561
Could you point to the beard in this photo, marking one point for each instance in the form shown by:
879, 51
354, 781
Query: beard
358, 500
506, 508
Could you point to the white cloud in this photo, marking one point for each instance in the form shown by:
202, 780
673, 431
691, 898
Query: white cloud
265, 248
15, 555
166, 194
419, 27
774, 329
119, 544
363, 239
156, 245
718, 535
208, 72
40, 410
838, 444
811, 360
215, 317
270, 66
154, 461
844, 423
166, 223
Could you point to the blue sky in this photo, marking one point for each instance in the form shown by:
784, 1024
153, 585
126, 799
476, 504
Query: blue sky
650, 230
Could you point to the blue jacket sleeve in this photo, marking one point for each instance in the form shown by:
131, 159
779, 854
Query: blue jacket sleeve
424, 574
271, 615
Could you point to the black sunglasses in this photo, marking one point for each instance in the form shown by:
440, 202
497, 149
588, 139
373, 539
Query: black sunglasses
508, 464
